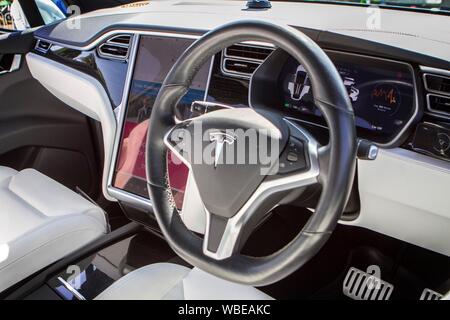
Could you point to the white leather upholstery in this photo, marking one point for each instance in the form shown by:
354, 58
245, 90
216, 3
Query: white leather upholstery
447, 296
41, 221
404, 195
165, 281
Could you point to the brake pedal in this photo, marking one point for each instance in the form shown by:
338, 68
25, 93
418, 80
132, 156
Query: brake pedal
360, 285
428, 294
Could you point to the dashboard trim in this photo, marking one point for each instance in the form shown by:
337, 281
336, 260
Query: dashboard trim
94, 103
432, 70
109, 34
119, 112
395, 141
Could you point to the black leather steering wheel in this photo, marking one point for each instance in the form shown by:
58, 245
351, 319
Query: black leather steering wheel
234, 197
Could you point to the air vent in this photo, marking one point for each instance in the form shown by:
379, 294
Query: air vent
42, 46
248, 52
438, 93
241, 60
439, 104
438, 84
117, 47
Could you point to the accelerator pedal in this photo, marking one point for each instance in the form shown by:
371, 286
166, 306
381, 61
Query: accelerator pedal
428, 294
360, 285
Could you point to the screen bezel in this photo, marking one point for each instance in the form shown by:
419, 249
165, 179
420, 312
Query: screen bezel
121, 112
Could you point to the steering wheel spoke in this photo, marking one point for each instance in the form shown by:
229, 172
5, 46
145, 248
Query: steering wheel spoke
220, 242
177, 140
225, 237
323, 156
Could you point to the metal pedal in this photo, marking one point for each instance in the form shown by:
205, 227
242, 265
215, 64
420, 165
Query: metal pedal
360, 285
428, 294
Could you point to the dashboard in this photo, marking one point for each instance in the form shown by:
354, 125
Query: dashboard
396, 82
382, 93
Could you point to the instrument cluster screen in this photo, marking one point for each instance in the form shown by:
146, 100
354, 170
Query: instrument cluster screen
381, 92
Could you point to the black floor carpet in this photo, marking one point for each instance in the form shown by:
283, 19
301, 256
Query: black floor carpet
404, 265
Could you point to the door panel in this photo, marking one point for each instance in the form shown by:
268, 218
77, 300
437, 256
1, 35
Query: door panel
9, 63
38, 130
14, 42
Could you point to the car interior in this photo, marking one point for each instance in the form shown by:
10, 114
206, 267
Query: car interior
109, 191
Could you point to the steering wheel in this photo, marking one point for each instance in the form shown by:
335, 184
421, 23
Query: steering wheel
235, 196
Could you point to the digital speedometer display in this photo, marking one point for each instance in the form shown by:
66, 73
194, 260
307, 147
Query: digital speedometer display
381, 92
386, 98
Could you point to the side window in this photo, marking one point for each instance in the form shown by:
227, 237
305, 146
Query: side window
13, 15
6, 21
50, 10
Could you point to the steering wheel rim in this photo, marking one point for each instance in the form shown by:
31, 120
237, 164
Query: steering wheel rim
337, 160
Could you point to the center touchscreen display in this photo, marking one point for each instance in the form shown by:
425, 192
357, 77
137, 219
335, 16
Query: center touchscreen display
155, 57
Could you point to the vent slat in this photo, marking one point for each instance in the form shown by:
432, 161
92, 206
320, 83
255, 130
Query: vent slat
241, 60
240, 66
247, 52
439, 104
439, 84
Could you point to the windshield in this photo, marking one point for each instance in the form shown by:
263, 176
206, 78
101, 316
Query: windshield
442, 6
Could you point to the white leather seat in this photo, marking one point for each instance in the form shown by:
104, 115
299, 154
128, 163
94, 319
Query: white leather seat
166, 281
41, 221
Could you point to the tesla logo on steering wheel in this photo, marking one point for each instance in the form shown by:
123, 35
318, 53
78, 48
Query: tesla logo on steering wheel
220, 138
